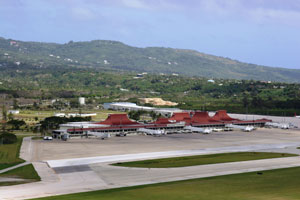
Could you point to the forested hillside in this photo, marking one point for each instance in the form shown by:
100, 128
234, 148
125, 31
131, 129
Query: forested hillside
99, 86
112, 55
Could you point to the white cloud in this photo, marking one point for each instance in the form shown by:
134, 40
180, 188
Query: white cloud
135, 4
263, 15
258, 11
83, 13
149, 4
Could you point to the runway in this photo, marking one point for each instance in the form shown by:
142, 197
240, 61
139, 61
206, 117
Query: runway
88, 173
104, 176
153, 155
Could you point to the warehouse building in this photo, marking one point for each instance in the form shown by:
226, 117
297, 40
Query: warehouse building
127, 106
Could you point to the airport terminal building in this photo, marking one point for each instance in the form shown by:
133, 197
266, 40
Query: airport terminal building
120, 123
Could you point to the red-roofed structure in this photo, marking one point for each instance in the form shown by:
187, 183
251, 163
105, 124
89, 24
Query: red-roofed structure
222, 115
121, 122
203, 118
179, 117
162, 121
118, 120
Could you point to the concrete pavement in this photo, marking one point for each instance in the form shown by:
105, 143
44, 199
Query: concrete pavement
165, 154
96, 172
125, 176
4, 179
104, 176
82, 148
26, 150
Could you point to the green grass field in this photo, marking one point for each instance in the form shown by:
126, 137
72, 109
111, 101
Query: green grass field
9, 154
282, 184
202, 159
37, 138
30, 115
26, 172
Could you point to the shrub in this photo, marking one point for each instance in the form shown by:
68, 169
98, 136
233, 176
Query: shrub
8, 138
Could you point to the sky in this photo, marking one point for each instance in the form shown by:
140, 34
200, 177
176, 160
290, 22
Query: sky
265, 32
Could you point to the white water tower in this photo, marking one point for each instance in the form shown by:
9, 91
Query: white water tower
81, 101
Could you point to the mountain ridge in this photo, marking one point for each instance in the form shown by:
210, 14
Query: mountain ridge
115, 55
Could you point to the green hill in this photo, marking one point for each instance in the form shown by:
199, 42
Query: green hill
112, 55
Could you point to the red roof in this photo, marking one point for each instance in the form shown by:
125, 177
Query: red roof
203, 118
118, 119
183, 116
162, 121
121, 121
222, 115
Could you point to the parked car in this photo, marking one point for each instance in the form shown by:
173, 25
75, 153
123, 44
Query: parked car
48, 138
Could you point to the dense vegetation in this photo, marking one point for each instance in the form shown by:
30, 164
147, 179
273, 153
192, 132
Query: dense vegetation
54, 122
7, 138
273, 184
112, 55
42, 77
246, 96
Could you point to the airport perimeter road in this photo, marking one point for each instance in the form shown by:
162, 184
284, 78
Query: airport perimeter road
72, 179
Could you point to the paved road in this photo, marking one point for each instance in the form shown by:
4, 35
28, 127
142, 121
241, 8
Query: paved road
26, 150
71, 179
4, 179
104, 176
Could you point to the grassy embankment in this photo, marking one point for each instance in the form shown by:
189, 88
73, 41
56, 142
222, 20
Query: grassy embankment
26, 172
9, 154
274, 184
203, 159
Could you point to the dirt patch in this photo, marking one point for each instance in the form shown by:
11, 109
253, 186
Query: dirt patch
158, 102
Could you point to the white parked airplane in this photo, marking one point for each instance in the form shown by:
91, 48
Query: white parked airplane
248, 128
243, 128
100, 135
278, 125
217, 129
198, 130
152, 132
